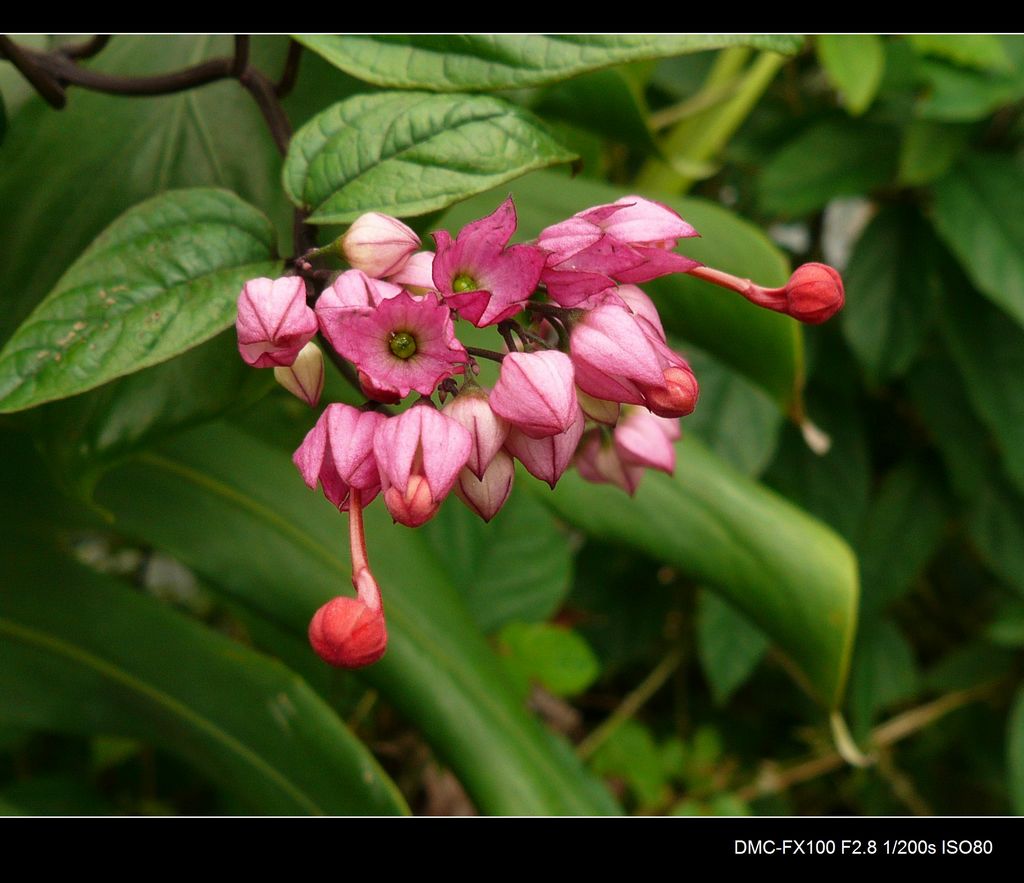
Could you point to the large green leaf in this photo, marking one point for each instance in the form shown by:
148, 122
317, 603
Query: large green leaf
81, 653
235, 511
891, 289
102, 154
854, 63
764, 346
453, 62
977, 213
409, 153
790, 574
162, 278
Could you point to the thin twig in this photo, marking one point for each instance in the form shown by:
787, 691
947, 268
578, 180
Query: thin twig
241, 61
42, 82
290, 74
493, 355
87, 49
262, 90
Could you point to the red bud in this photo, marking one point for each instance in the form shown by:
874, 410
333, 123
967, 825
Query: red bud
348, 634
814, 293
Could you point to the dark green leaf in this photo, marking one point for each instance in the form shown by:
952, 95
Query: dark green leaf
902, 531
995, 521
103, 154
235, 511
977, 213
453, 62
957, 95
891, 288
631, 754
764, 346
557, 658
1015, 752
884, 672
517, 567
929, 149
1007, 626
854, 63
728, 644
162, 278
84, 654
788, 573
409, 153
831, 158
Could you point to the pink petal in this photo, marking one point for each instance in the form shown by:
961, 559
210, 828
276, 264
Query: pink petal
536, 392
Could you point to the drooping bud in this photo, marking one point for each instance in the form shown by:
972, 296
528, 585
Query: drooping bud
486, 495
348, 634
598, 461
535, 392
274, 323
470, 408
546, 458
378, 244
643, 439
304, 378
814, 293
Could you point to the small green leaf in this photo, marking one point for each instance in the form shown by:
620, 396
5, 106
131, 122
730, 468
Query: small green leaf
630, 753
854, 63
453, 62
957, 95
1015, 752
977, 213
162, 278
891, 290
884, 672
787, 572
831, 158
517, 567
557, 658
982, 51
409, 153
929, 150
84, 654
728, 644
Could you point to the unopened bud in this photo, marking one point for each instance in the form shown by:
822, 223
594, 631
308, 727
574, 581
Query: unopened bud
814, 293
413, 506
377, 244
345, 632
304, 378
677, 397
598, 410
471, 410
485, 496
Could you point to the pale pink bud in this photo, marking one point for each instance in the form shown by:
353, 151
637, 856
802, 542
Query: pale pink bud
377, 244
598, 461
347, 633
470, 409
486, 495
546, 458
273, 321
304, 378
535, 392
814, 293
417, 275
419, 454
598, 410
644, 439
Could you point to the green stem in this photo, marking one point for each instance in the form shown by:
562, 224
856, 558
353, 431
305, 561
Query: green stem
703, 136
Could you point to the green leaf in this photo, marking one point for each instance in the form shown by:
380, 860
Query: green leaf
791, 575
84, 654
995, 522
235, 511
831, 158
1015, 752
766, 347
891, 290
884, 672
977, 213
728, 645
1007, 626
854, 63
989, 352
162, 278
409, 153
982, 51
102, 154
953, 94
630, 753
929, 150
453, 62
524, 553
903, 529
557, 658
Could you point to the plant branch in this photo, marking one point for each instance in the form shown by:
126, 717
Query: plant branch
290, 74
493, 355
87, 49
50, 90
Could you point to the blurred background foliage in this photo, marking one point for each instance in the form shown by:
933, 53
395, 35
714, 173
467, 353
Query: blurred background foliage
822, 612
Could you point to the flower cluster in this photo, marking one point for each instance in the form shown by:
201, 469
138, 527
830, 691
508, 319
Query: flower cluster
587, 375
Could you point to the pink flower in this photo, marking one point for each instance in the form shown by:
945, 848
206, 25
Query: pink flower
479, 275
470, 408
352, 293
402, 345
535, 392
639, 442
487, 494
627, 241
419, 455
546, 458
338, 453
377, 244
273, 321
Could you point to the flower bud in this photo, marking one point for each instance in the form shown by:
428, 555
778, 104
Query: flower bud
417, 276
486, 495
814, 293
677, 396
598, 410
470, 408
377, 244
535, 392
546, 458
347, 633
273, 321
598, 461
304, 378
